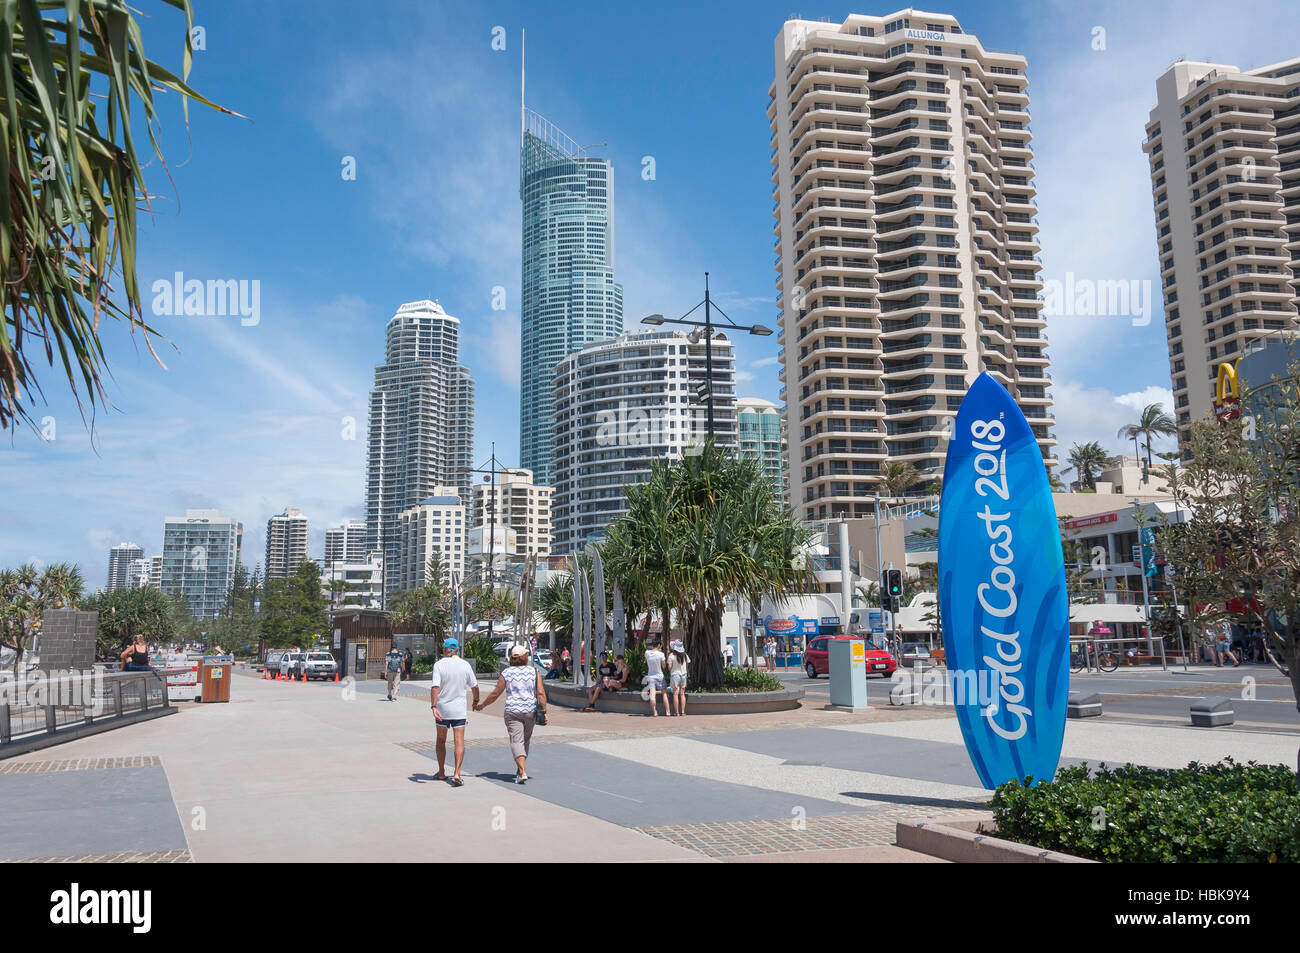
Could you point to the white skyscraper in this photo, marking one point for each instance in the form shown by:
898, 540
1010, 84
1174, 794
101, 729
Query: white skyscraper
346, 542
907, 247
421, 424
1224, 149
620, 405
286, 543
120, 560
200, 552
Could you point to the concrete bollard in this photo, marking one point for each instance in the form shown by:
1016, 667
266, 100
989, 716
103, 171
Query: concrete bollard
1083, 705
1212, 712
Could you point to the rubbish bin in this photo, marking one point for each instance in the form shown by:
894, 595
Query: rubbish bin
214, 678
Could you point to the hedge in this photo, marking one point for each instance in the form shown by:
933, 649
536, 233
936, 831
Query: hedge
1204, 813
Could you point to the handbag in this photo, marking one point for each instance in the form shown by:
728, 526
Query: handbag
540, 716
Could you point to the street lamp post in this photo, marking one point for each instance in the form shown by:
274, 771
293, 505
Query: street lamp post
707, 327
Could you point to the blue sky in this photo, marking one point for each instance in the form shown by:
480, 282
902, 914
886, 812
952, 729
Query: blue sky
250, 419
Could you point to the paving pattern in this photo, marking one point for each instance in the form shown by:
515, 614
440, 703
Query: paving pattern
788, 835
80, 764
125, 857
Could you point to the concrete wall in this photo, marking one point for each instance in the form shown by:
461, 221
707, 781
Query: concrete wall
67, 639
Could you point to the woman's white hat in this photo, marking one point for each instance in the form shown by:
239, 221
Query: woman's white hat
518, 649
677, 646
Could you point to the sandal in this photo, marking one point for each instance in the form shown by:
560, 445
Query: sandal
457, 782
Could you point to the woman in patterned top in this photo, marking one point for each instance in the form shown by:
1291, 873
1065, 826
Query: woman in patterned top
525, 696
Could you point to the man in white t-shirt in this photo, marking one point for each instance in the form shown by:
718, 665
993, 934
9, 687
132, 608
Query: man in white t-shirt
453, 678
654, 662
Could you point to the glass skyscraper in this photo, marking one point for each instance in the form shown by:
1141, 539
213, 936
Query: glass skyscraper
570, 297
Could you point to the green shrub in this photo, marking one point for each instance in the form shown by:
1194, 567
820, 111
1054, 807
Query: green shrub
477, 650
1204, 813
636, 666
423, 663
750, 680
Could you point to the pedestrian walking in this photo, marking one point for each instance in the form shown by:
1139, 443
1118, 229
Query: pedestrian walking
769, 653
677, 663
453, 678
406, 664
1223, 646
525, 700
393, 671
728, 653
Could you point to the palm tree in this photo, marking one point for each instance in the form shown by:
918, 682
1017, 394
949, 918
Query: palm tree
1152, 422
73, 72
702, 528
1087, 460
898, 477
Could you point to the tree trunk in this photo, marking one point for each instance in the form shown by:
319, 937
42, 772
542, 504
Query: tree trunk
703, 631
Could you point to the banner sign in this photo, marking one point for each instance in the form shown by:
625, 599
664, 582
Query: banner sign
1002, 592
791, 626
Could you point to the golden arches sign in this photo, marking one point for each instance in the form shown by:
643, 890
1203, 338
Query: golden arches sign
1227, 391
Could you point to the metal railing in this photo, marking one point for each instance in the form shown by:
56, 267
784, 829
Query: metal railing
46, 705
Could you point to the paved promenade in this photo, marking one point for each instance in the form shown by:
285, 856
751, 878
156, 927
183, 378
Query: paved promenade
287, 771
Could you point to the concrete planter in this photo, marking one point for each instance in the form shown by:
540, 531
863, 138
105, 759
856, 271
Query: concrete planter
960, 840
697, 703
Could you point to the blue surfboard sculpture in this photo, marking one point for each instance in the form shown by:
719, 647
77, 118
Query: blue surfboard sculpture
1002, 591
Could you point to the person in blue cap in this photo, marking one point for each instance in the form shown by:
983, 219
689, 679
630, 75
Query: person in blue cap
453, 679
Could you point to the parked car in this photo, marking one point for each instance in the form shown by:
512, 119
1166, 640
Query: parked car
291, 664
816, 657
916, 652
272, 663
319, 665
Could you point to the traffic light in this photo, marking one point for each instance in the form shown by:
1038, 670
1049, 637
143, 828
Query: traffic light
894, 583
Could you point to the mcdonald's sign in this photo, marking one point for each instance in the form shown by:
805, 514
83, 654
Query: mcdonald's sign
1227, 392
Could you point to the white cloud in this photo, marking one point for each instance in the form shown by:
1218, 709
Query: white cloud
1085, 413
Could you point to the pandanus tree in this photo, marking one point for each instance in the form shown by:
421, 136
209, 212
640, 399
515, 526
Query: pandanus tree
77, 89
702, 528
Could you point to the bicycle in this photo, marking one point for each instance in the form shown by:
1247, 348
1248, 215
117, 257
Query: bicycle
1106, 659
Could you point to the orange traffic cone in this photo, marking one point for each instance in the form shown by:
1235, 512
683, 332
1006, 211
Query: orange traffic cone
336, 678
304, 677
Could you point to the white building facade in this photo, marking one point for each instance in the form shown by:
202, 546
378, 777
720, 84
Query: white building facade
434, 527
286, 543
200, 553
620, 405
421, 434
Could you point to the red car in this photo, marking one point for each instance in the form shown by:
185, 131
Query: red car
816, 658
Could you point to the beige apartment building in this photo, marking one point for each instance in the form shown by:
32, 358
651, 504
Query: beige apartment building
520, 505
906, 247
433, 529
1224, 149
